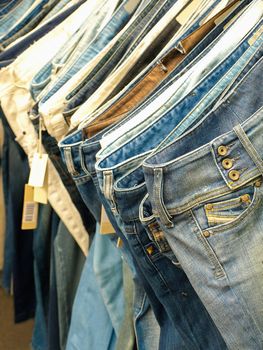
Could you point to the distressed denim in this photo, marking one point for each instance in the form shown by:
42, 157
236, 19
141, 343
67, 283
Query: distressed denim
212, 217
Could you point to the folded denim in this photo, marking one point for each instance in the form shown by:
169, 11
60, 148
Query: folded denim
24, 20
11, 53
144, 139
11, 18
174, 90
142, 24
90, 52
5, 8
31, 24
153, 78
210, 218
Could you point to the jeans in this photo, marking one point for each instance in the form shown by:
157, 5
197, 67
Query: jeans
10, 54
213, 216
119, 19
68, 264
89, 313
84, 164
153, 11
18, 254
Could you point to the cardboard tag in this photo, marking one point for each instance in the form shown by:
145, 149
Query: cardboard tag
38, 170
255, 36
41, 193
105, 224
30, 209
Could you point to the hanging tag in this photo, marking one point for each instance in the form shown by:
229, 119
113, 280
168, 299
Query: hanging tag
39, 163
105, 224
119, 242
41, 193
38, 170
30, 209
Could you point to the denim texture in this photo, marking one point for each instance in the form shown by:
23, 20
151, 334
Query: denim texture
148, 16
13, 16
30, 25
118, 21
196, 54
5, 8
84, 163
18, 244
89, 312
69, 262
10, 54
21, 23
219, 239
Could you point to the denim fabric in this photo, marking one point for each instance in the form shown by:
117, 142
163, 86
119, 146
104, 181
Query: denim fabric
5, 8
60, 6
146, 139
126, 336
69, 263
13, 16
21, 23
18, 243
168, 280
118, 21
196, 54
11, 53
53, 331
30, 25
42, 251
52, 149
109, 61
89, 313
84, 163
212, 218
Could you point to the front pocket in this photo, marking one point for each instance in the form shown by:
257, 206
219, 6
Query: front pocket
223, 212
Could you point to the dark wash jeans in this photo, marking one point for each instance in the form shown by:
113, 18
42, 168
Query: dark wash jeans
18, 251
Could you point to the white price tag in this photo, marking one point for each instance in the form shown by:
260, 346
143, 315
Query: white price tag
38, 170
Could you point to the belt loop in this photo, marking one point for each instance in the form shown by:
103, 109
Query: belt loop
252, 152
108, 188
158, 198
69, 161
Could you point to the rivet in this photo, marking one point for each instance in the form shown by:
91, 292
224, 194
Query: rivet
234, 175
150, 250
227, 163
209, 206
258, 183
245, 198
206, 234
222, 150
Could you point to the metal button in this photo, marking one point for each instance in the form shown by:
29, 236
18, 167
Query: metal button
227, 163
206, 234
245, 198
209, 206
234, 175
150, 250
222, 150
258, 183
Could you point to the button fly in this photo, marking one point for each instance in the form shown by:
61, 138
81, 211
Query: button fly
234, 175
222, 150
227, 163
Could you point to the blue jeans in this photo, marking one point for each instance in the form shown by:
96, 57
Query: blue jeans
10, 54
150, 15
89, 313
212, 217
118, 21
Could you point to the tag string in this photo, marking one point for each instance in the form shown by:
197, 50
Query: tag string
40, 137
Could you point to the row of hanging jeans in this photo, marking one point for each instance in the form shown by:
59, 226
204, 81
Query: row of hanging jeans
151, 115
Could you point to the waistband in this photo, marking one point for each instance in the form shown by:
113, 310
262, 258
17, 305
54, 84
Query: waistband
195, 177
